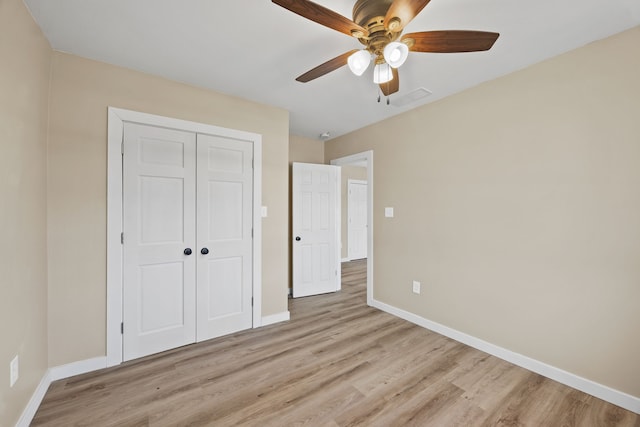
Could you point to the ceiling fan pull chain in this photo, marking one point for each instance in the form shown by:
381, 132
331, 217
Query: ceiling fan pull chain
387, 100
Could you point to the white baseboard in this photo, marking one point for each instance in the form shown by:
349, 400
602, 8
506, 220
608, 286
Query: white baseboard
76, 368
345, 260
276, 318
34, 403
54, 374
624, 400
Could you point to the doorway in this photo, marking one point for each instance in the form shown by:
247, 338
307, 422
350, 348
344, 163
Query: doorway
364, 159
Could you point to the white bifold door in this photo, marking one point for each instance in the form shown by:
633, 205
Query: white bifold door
187, 238
316, 229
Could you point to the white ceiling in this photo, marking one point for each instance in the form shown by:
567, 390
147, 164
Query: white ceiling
255, 49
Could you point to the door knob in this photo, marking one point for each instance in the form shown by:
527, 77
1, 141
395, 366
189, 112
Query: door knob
298, 238
204, 251
187, 251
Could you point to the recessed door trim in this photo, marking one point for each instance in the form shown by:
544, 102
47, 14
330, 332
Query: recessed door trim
116, 119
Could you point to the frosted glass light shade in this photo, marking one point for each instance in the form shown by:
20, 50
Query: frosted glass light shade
359, 62
382, 73
396, 53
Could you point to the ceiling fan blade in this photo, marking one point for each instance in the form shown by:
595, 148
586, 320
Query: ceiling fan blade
323, 16
451, 41
391, 86
327, 67
401, 12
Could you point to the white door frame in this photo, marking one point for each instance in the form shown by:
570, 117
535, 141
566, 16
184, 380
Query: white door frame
116, 118
349, 206
366, 156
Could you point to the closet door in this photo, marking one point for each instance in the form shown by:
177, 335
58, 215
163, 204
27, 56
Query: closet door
159, 283
224, 224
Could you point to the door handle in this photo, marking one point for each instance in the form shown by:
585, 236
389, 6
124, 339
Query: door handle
187, 251
298, 238
204, 251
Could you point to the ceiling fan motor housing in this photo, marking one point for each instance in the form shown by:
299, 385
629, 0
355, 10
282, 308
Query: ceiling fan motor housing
370, 14
367, 10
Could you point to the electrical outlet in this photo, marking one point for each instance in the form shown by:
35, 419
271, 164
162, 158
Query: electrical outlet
14, 371
416, 287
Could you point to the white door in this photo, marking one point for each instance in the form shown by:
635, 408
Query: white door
316, 229
188, 244
225, 208
159, 292
357, 219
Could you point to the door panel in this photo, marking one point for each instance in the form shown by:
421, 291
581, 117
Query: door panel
225, 287
224, 221
161, 297
159, 223
166, 195
316, 214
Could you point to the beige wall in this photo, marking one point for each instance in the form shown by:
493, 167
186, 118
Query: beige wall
81, 91
517, 205
305, 150
25, 58
347, 173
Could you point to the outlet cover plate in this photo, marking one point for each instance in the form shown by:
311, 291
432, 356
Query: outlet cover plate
14, 371
416, 287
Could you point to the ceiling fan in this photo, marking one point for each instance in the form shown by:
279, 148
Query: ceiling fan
378, 25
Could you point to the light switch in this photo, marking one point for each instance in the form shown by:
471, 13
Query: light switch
388, 212
264, 212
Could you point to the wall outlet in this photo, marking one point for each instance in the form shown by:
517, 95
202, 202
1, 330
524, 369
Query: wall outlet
416, 287
14, 371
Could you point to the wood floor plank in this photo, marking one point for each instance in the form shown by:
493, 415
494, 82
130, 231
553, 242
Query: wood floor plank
337, 363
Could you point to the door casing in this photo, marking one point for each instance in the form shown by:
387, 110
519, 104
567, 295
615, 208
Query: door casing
116, 119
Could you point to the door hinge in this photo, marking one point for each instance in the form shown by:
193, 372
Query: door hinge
121, 327
122, 147
122, 238
251, 301
336, 272
252, 233
252, 164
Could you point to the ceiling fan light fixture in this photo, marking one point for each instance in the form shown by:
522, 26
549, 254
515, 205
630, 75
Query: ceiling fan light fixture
382, 73
395, 53
359, 62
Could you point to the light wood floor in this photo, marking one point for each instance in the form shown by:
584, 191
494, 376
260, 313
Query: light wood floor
336, 363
